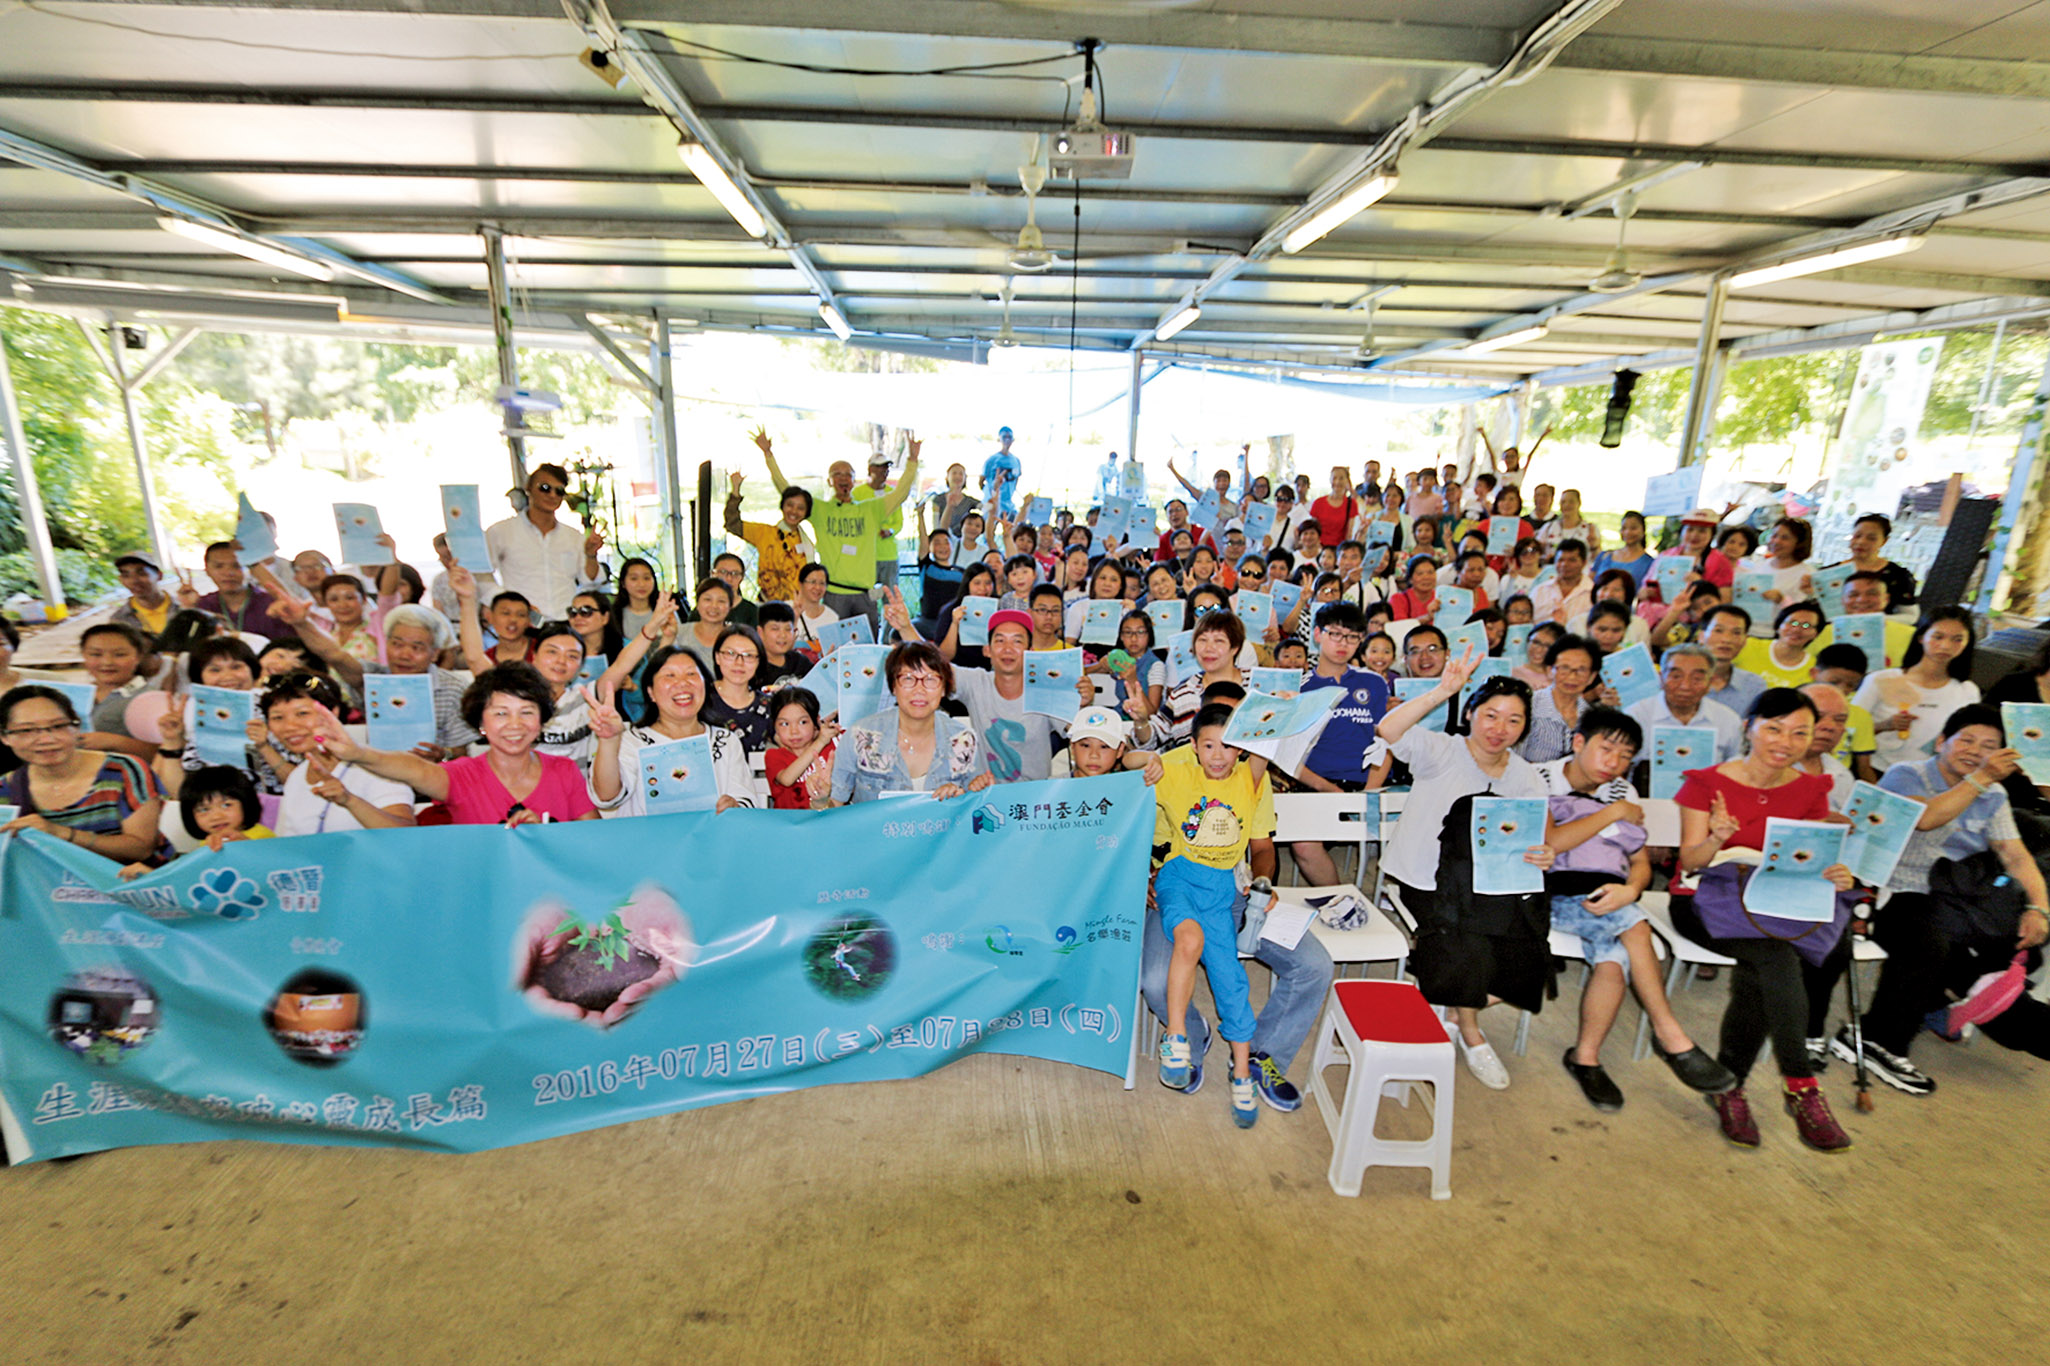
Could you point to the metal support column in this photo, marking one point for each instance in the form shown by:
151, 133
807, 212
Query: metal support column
670, 455
502, 338
1706, 384
159, 539
29, 495
2027, 497
1136, 382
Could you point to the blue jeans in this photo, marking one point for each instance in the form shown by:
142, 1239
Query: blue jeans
1302, 979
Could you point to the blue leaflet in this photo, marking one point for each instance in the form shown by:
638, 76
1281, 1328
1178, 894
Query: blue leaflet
463, 524
399, 709
1674, 751
1789, 882
221, 718
1882, 823
1504, 830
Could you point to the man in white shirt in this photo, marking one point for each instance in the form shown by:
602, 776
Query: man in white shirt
1568, 593
546, 561
1684, 701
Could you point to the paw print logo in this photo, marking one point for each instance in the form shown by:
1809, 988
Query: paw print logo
227, 894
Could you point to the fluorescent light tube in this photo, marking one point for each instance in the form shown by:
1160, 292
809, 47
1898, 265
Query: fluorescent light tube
1828, 260
1346, 206
1177, 323
1496, 343
835, 321
713, 177
243, 246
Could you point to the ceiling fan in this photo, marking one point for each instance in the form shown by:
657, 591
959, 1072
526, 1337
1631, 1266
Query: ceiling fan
1005, 336
1030, 254
1616, 276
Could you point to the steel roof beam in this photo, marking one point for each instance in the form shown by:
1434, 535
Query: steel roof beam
1290, 135
1380, 41
165, 200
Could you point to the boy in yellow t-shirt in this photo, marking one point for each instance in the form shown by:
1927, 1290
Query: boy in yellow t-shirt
1212, 802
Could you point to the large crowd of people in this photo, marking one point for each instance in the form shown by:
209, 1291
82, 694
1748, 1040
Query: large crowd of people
552, 672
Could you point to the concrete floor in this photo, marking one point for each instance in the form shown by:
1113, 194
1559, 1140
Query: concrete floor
1020, 1211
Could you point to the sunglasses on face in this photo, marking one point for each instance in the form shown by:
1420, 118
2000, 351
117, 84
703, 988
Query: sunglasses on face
583, 611
543, 486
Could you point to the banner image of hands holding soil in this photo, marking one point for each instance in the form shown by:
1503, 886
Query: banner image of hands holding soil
470, 987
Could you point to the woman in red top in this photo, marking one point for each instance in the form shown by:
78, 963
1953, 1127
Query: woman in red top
1508, 503
509, 784
1725, 808
1335, 511
1418, 599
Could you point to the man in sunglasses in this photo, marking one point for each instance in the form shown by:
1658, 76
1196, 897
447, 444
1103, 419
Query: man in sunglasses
546, 561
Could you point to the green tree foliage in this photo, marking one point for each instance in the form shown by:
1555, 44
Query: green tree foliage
76, 432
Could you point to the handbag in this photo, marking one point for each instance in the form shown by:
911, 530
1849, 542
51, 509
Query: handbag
1719, 901
1975, 898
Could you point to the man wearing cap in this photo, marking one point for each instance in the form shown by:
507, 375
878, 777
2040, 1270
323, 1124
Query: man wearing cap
889, 521
1000, 477
1017, 745
148, 608
847, 530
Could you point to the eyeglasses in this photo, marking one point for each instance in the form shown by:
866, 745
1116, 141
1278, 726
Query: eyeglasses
543, 486
1802, 625
584, 611
923, 682
31, 732
1424, 650
737, 656
1339, 637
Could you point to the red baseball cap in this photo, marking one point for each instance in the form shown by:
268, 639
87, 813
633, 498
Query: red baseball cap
1011, 616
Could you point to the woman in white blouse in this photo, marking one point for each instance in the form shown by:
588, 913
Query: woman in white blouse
1910, 704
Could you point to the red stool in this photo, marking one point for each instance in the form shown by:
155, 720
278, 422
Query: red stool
1391, 1040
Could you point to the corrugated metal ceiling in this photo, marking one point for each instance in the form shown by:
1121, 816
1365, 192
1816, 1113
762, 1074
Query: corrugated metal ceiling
391, 130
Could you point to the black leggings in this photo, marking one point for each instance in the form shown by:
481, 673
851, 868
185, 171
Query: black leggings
1774, 992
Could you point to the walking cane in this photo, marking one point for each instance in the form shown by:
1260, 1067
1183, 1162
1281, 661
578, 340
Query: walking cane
1864, 1078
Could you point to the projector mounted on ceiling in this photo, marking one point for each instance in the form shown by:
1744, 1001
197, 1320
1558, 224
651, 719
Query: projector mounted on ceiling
1087, 150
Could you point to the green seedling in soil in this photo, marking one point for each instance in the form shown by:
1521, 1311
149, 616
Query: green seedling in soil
607, 939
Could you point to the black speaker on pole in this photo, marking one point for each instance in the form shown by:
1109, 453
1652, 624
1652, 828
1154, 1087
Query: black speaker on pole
701, 529
1619, 408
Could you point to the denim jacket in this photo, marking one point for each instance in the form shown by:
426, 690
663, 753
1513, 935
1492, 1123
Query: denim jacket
867, 763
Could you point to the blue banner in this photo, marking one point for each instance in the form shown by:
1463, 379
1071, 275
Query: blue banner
469, 987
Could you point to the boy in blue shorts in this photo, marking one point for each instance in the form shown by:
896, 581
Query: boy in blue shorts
1601, 870
1212, 801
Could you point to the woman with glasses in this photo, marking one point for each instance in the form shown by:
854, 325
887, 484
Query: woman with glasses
1573, 665
596, 624
106, 804
1788, 659
912, 746
1472, 951
734, 702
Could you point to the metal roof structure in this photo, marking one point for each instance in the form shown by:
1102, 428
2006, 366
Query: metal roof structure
877, 152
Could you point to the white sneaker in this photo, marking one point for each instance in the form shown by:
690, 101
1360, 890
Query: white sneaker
1487, 1069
